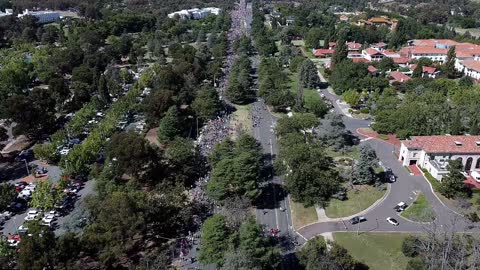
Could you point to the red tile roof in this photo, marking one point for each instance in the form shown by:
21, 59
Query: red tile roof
380, 44
360, 60
472, 64
354, 45
399, 76
372, 69
401, 60
445, 144
322, 52
428, 50
372, 51
429, 70
390, 53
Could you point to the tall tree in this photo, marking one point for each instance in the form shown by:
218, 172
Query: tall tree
450, 63
340, 54
364, 169
214, 240
206, 104
170, 126
44, 196
7, 195
452, 184
308, 74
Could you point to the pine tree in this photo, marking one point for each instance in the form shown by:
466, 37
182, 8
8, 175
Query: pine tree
103, 89
308, 76
452, 184
169, 126
418, 71
364, 170
450, 63
456, 124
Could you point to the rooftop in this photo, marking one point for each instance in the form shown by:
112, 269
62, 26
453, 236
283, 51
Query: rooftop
399, 76
372, 51
445, 144
471, 64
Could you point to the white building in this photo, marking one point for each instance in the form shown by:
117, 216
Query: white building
195, 13
434, 152
42, 16
7, 12
372, 54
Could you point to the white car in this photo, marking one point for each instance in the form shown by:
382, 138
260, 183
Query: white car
392, 221
48, 220
22, 229
13, 243
401, 206
64, 151
32, 215
30, 187
6, 214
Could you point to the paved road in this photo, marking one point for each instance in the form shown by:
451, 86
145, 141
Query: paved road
405, 189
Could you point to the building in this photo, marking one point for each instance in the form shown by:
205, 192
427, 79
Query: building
195, 13
433, 153
471, 68
42, 16
398, 77
323, 52
7, 12
371, 54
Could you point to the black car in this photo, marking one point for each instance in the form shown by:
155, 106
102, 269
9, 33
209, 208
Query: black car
357, 219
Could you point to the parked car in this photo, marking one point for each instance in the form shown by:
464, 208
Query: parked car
392, 221
32, 215
392, 178
400, 206
22, 229
7, 214
357, 219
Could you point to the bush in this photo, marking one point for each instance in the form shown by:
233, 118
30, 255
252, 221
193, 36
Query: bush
364, 110
410, 246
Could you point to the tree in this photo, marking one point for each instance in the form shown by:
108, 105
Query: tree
214, 240
465, 82
130, 154
410, 246
36, 250
315, 256
333, 132
185, 161
103, 90
340, 54
239, 260
364, 170
452, 184
352, 97
308, 74
256, 246
7, 195
313, 37
7, 254
450, 63
456, 125
300, 122
206, 104
157, 104
44, 197
418, 71
169, 126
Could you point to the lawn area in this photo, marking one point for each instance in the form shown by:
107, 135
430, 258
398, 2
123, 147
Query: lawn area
354, 153
431, 179
302, 215
420, 210
241, 120
380, 251
310, 95
383, 136
359, 199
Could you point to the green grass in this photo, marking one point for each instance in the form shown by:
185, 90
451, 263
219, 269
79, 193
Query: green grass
241, 120
380, 251
359, 199
353, 153
302, 215
420, 210
382, 136
431, 179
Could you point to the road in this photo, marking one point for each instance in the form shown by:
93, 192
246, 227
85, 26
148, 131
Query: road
405, 189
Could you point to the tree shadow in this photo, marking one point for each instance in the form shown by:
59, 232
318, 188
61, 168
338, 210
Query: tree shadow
323, 85
13, 170
270, 196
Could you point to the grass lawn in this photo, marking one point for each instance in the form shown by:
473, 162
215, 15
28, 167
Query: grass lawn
302, 215
359, 199
241, 120
380, 251
420, 210
354, 153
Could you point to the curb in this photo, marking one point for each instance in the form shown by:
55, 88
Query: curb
371, 207
412, 221
436, 196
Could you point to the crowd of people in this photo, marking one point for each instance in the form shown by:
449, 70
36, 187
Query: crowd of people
218, 129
